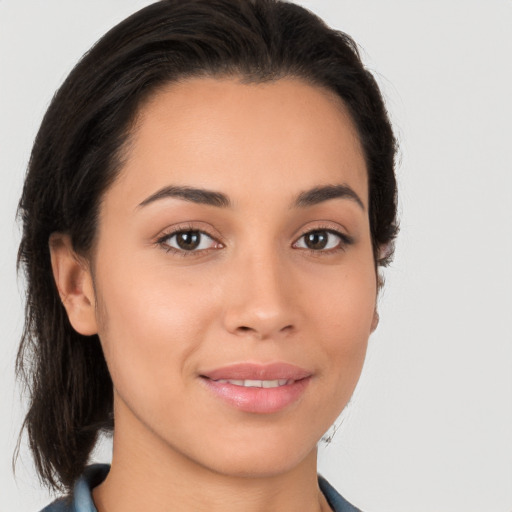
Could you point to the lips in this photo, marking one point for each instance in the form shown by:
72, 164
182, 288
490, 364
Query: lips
258, 388
253, 371
250, 383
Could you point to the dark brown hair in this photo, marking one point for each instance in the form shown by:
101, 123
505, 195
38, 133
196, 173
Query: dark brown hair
78, 152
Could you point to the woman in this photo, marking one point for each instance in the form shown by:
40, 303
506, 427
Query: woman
208, 201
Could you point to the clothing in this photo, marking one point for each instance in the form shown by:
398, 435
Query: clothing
81, 499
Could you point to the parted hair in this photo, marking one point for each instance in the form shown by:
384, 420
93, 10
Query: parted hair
78, 152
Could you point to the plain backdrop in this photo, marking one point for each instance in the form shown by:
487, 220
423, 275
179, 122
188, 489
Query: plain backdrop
430, 426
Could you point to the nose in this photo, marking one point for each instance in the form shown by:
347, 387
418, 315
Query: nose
261, 301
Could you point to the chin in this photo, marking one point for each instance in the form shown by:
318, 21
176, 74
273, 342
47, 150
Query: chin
261, 458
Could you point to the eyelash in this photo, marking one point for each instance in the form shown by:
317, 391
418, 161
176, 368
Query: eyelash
344, 241
163, 241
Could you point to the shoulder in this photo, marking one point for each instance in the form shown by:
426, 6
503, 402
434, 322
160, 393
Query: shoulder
337, 502
60, 505
80, 499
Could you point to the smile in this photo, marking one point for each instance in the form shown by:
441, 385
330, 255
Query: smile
247, 383
257, 388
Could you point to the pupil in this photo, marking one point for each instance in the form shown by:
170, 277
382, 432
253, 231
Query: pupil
316, 240
188, 240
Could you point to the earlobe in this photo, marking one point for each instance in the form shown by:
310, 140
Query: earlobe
375, 321
74, 283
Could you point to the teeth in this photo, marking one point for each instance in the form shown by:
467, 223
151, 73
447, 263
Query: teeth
235, 382
248, 383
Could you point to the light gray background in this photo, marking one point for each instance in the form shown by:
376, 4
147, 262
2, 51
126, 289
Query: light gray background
430, 426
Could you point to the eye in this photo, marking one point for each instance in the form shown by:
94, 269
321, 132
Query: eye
322, 240
189, 241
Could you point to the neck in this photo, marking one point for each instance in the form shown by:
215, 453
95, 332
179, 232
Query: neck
148, 474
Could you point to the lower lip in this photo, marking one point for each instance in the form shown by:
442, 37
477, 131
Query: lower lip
259, 400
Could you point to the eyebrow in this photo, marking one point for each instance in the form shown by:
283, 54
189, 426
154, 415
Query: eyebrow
305, 199
325, 193
194, 195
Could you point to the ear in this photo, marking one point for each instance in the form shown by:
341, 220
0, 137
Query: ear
375, 320
74, 283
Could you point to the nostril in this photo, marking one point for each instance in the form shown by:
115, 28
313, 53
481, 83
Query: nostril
245, 329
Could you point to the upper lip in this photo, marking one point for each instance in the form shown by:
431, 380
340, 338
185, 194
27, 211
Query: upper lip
257, 371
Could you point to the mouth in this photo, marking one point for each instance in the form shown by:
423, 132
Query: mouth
257, 388
248, 383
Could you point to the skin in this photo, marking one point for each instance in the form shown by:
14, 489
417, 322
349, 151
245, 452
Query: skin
252, 292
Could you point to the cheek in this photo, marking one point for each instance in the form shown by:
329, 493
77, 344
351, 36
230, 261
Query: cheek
346, 299
151, 326
344, 310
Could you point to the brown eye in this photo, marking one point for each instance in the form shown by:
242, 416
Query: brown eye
322, 240
190, 240
316, 240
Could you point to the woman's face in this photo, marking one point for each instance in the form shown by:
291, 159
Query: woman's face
234, 275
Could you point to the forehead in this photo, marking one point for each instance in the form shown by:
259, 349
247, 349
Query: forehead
226, 135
